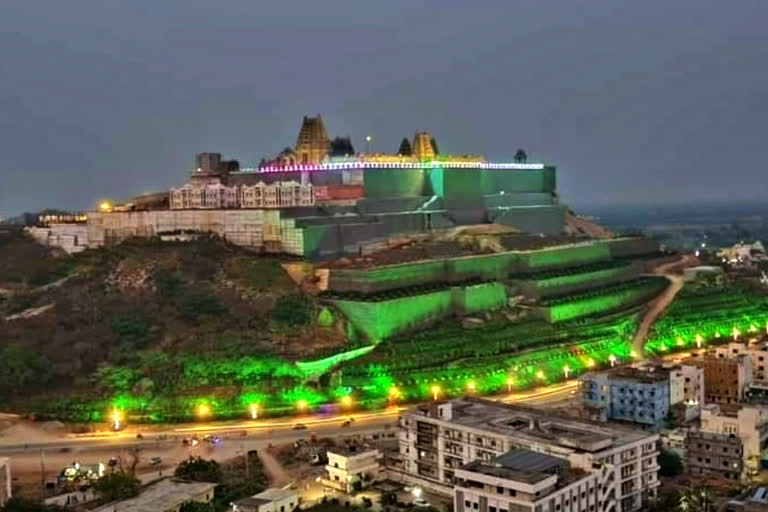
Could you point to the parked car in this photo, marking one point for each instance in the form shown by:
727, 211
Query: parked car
299, 426
155, 461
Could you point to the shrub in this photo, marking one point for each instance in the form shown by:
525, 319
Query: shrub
117, 486
293, 310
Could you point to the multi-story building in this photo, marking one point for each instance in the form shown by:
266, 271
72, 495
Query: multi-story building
747, 423
167, 495
726, 378
284, 194
713, 454
629, 394
686, 391
5, 480
351, 468
527, 481
438, 439
757, 351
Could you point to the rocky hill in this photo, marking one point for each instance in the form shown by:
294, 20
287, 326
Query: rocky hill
122, 319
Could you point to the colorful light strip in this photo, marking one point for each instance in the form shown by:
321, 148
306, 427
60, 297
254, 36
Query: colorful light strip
396, 165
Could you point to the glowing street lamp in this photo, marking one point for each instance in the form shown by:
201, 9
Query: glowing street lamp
632, 353
752, 328
679, 342
471, 386
393, 392
591, 362
736, 334
540, 374
254, 411
698, 340
435, 391
368, 140
612, 359
510, 381
116, 419
301, 405
105, 206
346, 401
566, 371
203, 411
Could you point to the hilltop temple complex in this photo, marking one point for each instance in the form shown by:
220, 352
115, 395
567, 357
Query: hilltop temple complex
320, 199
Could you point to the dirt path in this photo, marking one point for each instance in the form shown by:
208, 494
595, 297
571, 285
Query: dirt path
278, 477
662, 301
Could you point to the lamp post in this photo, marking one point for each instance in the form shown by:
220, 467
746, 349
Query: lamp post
435, 392
368, 140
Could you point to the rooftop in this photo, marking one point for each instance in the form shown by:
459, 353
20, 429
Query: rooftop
526, 460
351, 449
536, 426
275, 494
166, 494
644, 375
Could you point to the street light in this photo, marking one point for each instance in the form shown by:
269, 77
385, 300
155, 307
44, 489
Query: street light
540, 374
346, 400
471, 386
116, 418
612, 359
301, 405
698, 340
254, 411
368, 140
435, 391
105, 206
393, 392
203, 411
736, 334
566, 370
510, 381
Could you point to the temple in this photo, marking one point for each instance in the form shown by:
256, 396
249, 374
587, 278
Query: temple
319, 201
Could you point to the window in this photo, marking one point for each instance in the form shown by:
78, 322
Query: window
512, 492
474, 505
499, 490
466, 503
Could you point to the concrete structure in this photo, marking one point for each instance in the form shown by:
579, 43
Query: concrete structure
629, 394
726, 378
744, 255
686, 391
438, 439
215, 196
352, 468
526, 481
270, 500
167, 495
756, 349
714, 455
748, 424
5, 480
71, 237
422, 146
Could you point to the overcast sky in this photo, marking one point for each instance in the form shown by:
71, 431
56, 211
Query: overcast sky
634, 101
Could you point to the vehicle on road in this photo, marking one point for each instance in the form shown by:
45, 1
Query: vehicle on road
346, 423
154, 461
299, 426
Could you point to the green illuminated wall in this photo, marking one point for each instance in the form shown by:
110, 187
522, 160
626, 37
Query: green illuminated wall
568, 283
568, 256
380, 320
603, 302
382, 183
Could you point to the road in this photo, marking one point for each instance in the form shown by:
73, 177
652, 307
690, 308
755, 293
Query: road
662, 301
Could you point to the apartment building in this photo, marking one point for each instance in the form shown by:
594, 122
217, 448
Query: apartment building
726, 378
527, 481
709, 454
438, 439
747, 423
757, 351
351, 468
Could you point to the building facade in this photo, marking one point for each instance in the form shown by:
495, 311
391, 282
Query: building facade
756, 349
710, 454
261, 195
532, 482
270, 500
747, 423
352, 468
726, 378
167, 495
630, 394
438, 439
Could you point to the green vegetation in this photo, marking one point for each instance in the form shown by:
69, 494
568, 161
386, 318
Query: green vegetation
115, 486
22, 370
17, 504
702, 316
670, 463
198, 469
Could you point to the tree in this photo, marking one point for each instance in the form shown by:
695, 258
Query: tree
198, 469
405, 147
21, 368
293, 310
342, 146
670, 463
696, 499
521, 156
196, 506
434, 146
24, 505
117, 486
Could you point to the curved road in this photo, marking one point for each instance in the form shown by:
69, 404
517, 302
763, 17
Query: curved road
662, 301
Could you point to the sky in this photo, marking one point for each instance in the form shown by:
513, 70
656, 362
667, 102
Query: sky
634, 101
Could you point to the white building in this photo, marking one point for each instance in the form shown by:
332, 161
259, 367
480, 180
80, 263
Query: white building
758, 357
352, 468
167, 495
5, 480
686, 389
271, 500
213, 196
743, 254
527, 481
438, 439
747, 422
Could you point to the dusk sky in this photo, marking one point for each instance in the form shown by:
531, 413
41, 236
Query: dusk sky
634, 101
